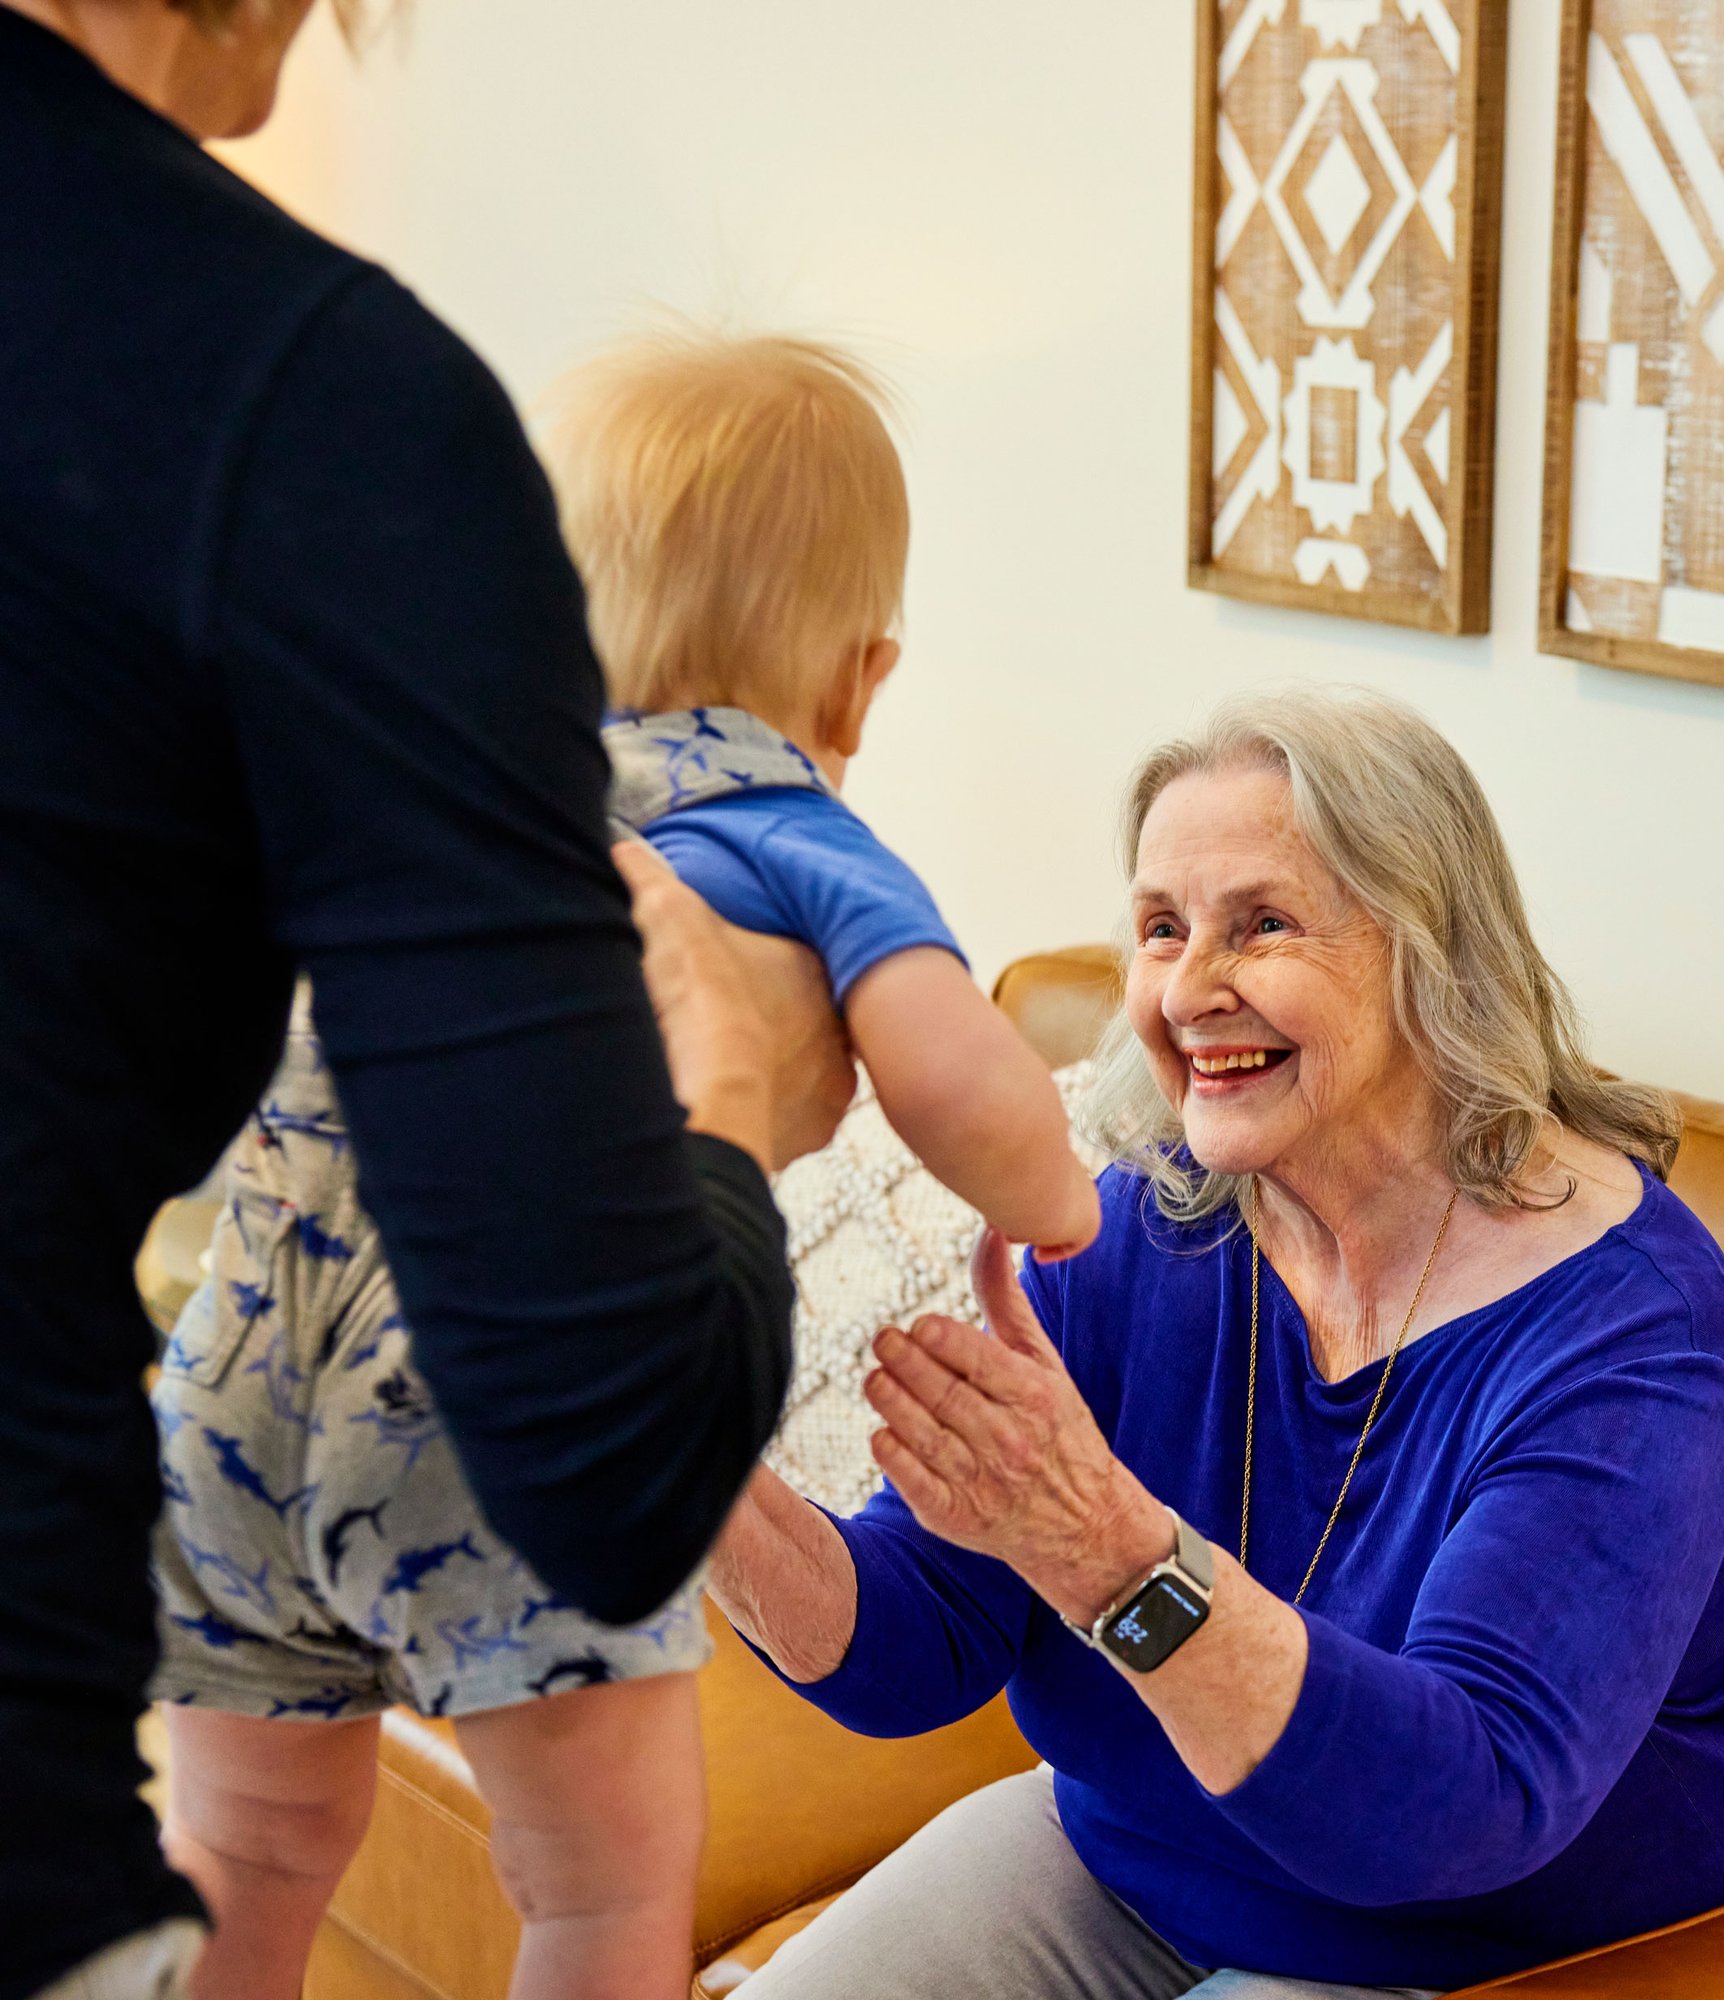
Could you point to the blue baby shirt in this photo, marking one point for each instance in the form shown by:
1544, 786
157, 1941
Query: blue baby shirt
746, 820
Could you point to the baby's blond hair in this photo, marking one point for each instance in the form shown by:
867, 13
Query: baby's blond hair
737, 511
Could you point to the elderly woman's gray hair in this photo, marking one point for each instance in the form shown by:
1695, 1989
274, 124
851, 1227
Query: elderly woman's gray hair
1393, 811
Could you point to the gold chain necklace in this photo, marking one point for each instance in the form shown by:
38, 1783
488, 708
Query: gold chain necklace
1370, 1415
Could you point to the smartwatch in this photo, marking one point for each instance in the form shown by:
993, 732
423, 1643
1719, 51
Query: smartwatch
1151, 1620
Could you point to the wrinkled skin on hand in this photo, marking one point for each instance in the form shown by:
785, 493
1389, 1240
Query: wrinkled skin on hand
992, 1446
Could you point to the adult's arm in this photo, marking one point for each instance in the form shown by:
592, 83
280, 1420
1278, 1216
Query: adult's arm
782, 1574
599, 1299
1544, 1638
876, 1622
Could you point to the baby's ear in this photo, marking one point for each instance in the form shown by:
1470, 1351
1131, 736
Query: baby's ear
853, 693
878, 659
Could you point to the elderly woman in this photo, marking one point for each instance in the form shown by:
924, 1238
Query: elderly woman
1346, 1525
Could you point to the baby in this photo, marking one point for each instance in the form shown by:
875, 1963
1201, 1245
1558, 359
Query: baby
738, 513
320, 1557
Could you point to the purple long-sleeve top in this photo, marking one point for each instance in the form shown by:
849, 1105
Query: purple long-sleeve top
1509, 1742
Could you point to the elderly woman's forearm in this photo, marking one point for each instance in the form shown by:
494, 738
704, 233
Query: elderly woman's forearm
1447, 1794
1225, 1697
782, 1575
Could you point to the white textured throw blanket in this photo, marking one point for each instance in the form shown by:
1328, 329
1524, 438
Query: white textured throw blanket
874, 1238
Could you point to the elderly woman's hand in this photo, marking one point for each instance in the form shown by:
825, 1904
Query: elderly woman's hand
992, 1447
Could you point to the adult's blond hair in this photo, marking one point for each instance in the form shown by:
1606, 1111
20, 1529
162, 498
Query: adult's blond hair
737, 511
1392, 810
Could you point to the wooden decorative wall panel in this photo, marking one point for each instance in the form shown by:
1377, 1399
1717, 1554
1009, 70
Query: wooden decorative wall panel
1634, 434
1349, 172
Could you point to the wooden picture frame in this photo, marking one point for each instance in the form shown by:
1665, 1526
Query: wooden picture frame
1637, 306
1375, 173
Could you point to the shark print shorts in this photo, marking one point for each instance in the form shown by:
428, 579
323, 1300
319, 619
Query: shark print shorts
320, 1554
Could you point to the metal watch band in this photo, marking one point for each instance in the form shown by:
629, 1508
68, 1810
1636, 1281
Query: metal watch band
1193, 1555
1192, 1561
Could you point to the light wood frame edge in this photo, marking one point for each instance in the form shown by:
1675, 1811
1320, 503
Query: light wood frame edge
1600, 649
1483, 94
1567, 217
1202, 424
1464, 606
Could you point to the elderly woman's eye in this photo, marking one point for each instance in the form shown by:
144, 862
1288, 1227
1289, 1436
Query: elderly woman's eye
1161, 929
1268, 926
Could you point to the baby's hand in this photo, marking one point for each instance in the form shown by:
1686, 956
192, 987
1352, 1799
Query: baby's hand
1086, 1222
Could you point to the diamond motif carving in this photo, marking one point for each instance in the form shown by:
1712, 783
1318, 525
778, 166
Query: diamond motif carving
1337, 194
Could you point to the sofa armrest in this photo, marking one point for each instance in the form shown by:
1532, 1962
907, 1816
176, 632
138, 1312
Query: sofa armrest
1682, 1962
1061, 1001
800, 1807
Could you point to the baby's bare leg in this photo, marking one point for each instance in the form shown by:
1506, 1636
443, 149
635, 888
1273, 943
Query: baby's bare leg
600, 1803
264, 1817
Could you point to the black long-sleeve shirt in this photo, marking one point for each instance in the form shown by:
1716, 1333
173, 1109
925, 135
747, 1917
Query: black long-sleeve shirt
294, 672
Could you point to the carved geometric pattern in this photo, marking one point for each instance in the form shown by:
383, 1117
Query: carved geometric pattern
1644, 510
1337, 490
1252, 386
1338, 132
1339, 392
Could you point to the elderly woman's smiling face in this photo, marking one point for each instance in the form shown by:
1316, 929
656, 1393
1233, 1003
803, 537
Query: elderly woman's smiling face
1259, 985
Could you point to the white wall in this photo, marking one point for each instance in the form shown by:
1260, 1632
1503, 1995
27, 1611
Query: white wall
993, 201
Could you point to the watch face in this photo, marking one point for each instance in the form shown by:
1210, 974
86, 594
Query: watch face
1153, 1624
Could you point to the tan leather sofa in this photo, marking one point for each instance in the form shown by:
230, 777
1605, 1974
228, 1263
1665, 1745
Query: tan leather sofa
799, 1808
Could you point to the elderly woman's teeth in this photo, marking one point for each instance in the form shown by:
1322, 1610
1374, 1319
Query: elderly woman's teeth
1215, 1065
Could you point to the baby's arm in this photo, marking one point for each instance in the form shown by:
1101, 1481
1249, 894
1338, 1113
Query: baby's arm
971, 1099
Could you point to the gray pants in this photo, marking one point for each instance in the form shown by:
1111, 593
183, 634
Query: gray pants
989, 1902
154, 1965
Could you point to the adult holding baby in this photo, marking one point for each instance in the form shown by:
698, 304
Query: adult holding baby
1347, 1524
295, 674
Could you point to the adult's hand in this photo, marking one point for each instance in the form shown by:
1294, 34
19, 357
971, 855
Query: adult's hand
992, 1447
716, 1038
813, 1064
757, 1052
